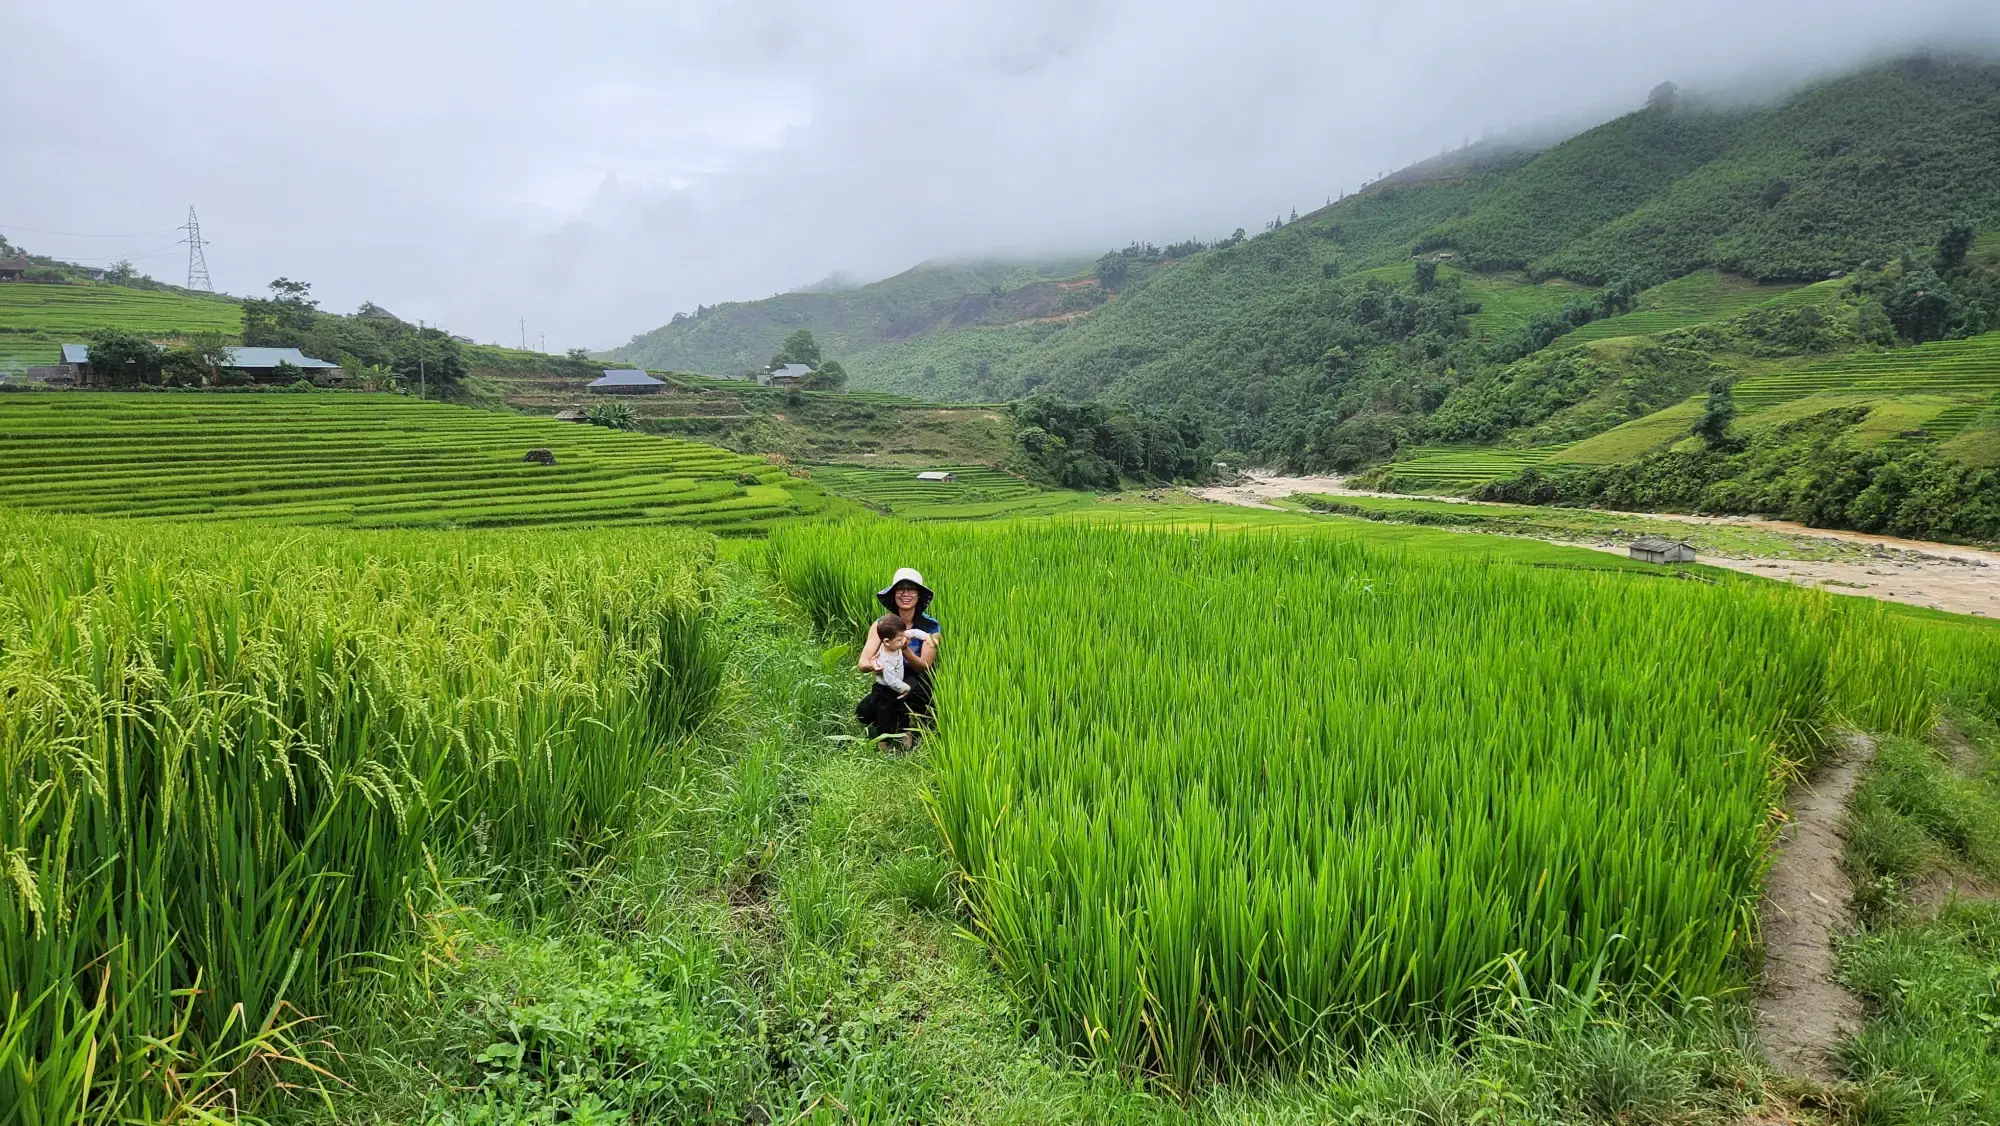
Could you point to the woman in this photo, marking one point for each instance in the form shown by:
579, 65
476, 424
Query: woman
908, 598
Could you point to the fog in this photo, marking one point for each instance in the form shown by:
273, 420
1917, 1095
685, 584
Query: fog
594, 168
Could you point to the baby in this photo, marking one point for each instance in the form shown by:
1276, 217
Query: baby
895, 638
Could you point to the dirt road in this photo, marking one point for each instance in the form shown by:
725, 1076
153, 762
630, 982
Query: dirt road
1961, 580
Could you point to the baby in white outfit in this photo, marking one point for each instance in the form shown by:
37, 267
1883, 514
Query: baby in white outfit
895, 638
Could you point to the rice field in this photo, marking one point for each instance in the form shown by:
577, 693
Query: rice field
1446, 468
370, 461
1280, 792
1705, 295
36, 320
977, 492
234, 759
1969, 367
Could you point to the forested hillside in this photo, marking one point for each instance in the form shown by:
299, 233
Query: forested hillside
730, 338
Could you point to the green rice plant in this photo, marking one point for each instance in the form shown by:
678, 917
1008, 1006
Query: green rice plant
228, 757
1225, 801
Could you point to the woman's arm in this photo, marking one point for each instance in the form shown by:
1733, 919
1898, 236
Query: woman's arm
868, 650
928, 657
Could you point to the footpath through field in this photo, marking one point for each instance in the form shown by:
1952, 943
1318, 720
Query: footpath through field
1959, 580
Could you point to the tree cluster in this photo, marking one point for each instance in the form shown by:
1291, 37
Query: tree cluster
1613, 300
1811, 470
370, 338
1096, 445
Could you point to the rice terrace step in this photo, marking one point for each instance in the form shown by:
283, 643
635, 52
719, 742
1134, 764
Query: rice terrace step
367, 460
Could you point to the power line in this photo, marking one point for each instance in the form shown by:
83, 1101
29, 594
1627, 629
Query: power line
197, 261
80, 234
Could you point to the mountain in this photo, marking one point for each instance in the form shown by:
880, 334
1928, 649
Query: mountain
848, 319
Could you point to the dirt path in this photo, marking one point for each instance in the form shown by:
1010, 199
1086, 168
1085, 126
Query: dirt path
1961, 580
1801, 1012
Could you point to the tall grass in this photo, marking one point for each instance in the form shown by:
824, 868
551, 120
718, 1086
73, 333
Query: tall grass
1223, 801
226, 757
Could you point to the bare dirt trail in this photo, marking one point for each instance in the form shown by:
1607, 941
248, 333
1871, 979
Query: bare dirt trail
1961, 580
1801, 1011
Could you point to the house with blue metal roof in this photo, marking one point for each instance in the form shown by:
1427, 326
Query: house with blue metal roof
257, 363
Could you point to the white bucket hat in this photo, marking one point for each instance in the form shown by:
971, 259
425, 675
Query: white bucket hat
905, 575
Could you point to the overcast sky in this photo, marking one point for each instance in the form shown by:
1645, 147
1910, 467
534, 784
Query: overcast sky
595, 167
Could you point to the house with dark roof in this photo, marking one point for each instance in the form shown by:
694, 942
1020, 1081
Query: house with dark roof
11, 269
626, 381
785, 375
1658, 549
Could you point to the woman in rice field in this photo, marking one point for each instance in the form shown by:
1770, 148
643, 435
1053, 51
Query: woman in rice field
905, 597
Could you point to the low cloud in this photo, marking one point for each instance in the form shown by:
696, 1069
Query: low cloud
595, 168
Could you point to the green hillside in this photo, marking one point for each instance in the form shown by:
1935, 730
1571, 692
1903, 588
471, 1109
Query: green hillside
741, 335
360, 460
36, 320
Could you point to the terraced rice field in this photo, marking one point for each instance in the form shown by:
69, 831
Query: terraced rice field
332, 458
36, 320
1440, 468
1968, 367
1507, 302
978, 492
1702, 296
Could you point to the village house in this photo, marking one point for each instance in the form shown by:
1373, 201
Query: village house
260, 364
785, 375
1656, 549
626, 381
935, 475
11, 269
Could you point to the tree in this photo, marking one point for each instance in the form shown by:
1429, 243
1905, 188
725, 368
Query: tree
198, 359
295, 292
427, 356
580, 355
830, 376
1665, 94
1426, 275
122, 272
1953, 243
1111, 270
798, 348
124, 359
1717, 415
285, 320
1921, 306
617, 416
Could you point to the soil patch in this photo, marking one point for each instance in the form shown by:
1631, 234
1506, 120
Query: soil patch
1801, 1012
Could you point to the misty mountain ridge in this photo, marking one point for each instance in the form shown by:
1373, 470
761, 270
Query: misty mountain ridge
1280, 338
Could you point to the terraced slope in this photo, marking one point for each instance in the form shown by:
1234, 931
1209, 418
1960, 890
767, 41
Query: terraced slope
977, 492
1705, 295
36, 320
1969, 367
368, 461
1443, 468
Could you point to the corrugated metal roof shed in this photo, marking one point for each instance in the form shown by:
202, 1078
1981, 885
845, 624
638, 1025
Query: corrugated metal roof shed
626, 377
76, 353
272, 357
